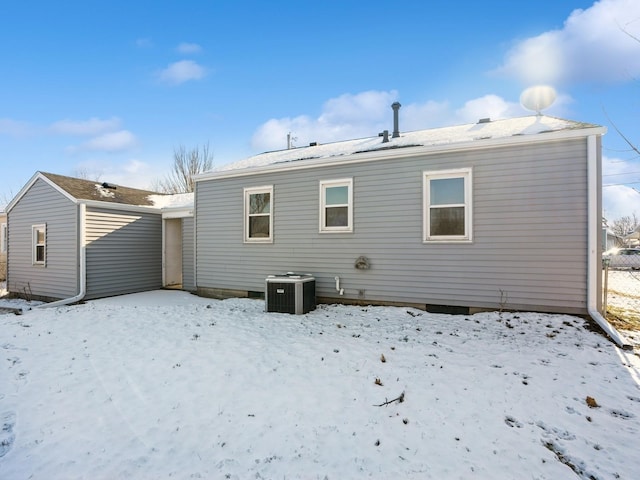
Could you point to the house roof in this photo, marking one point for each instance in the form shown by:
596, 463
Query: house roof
172, 201
80, 190
471, 135
103, 192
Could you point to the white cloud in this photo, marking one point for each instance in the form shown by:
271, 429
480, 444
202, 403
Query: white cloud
93, 126
343, 117
418, 116
119, 141
591, 46
188, 48
489, 106
619, 200
15, 128
368, 113
131, 173
182, 71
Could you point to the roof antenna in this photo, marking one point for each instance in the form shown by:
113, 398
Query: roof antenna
290, 140
538, 98
396, 132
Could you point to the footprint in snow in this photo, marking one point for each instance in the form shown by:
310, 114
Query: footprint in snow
621, 414
22, 376
512, 422
7, 437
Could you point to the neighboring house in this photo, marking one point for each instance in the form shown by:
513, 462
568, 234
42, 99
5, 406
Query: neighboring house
610, 239
3, 245
497, 214
632, 239
70, 238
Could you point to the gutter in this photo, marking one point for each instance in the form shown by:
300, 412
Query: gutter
82, 258
594, 266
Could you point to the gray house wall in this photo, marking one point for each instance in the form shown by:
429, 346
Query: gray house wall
58, 278
3, 254
529, 248
188, 261
124, 251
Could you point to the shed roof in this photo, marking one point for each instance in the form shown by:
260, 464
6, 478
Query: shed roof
474, 134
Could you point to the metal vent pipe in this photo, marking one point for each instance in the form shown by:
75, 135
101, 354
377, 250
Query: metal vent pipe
396, 131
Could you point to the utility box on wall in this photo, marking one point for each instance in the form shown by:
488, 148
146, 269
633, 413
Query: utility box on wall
290, 293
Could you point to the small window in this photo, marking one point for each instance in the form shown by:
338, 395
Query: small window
258, 215
39, 235
336, 205
447, 206
3, 238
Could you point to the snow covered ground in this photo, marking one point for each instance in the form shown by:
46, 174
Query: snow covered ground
168, 385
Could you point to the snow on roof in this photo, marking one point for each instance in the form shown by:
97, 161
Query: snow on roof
104, 192
176, 200
529, 125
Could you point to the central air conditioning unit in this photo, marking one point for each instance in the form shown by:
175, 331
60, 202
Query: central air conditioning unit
290, 293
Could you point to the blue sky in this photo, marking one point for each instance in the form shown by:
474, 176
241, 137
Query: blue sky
109, 89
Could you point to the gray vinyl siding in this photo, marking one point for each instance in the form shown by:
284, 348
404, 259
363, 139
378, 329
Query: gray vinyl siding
529, 248
3, 255
124, 252
188, 267
58, 278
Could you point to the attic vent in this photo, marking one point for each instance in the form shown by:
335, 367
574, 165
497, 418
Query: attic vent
313, 144
108, 185
385, 136
484, 120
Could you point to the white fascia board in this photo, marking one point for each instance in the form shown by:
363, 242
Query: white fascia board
404, 152
177, 212
121, 206
38, 176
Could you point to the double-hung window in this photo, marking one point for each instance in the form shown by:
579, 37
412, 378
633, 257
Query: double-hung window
39, 242
447, 206
258, 214
336, 205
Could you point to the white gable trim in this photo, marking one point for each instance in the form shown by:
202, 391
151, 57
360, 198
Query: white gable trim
38, 176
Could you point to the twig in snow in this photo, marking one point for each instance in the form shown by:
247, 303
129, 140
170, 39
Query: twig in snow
400, 399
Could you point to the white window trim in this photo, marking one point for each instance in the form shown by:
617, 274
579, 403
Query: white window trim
253, 190
3, 238
466, 174
343, 182
34, 244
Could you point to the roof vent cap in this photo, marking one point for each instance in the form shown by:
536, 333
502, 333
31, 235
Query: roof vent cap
484, 120
108, 185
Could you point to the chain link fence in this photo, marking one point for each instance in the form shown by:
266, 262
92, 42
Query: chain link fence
621, 283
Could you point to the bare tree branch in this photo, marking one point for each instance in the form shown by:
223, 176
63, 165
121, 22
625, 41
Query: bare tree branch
186, 164
84, 174
625, 225
399, 399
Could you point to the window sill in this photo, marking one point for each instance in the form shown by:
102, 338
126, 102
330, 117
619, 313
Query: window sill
451, 242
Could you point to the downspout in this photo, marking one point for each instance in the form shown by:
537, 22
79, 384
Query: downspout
82, 260
593, 262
